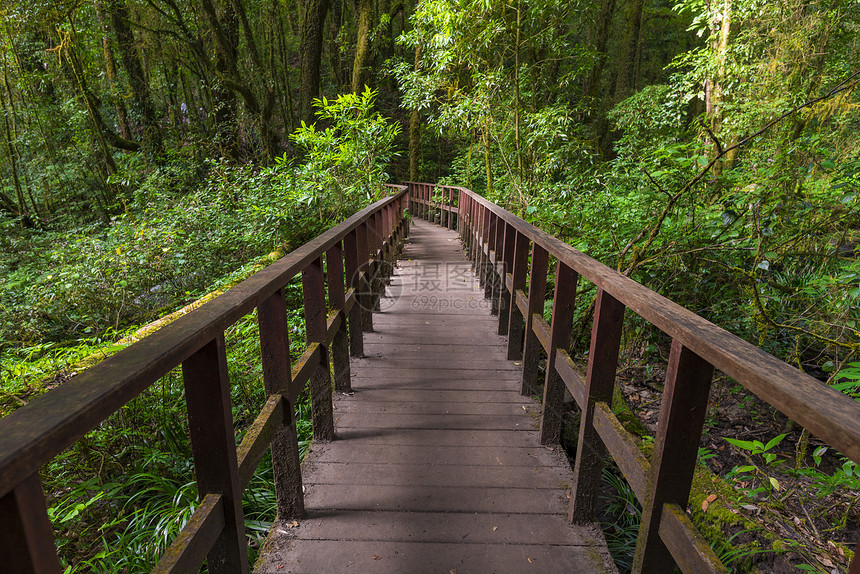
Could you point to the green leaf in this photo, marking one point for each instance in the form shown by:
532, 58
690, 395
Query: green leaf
744, 444
774, 483
775, 441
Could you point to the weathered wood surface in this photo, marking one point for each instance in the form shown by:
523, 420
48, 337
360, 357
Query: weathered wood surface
436, 465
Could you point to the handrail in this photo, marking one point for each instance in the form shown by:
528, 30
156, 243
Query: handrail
37, 432
511, 257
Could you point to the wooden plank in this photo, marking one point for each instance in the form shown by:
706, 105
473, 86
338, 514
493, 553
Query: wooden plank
622, 446
551, 530
388, 421
422, 475
314, 556
190, 547
407, 498
431, 437
691, 551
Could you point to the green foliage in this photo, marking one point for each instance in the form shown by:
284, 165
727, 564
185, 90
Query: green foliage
346, 162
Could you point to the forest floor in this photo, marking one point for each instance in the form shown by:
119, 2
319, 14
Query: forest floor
798, 510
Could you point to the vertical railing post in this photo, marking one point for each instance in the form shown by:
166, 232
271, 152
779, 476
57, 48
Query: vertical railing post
365, 296
450, 208
277, 379
563, 305
337, 301
376, 256
496, 242
516, 321
213, 446
27, 539
599, 384
351, 251
313, 291
505, 300
487, 265
676, 447
480, 255
537, 295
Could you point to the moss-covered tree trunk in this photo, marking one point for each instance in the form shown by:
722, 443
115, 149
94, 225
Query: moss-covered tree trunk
310, 53
364, 15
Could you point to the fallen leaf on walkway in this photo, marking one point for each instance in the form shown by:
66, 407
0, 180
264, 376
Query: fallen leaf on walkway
530, 560
375, 557
498, 460
495, 528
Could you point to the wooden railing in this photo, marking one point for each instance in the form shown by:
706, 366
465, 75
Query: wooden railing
511, 257
34, 434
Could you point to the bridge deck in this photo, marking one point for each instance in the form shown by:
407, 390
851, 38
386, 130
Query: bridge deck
436, 466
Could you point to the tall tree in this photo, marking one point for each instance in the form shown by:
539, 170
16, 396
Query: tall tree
119, 18
310, 54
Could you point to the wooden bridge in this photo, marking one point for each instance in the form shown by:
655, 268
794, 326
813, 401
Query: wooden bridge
429, 456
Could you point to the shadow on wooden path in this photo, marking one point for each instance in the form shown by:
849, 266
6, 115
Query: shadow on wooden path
437, 465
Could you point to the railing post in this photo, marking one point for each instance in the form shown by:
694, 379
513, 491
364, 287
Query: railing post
516, 321
356, 337
337, 301
27, 542
277, 379
487, 266
480, 255
599, 384
505, 299
497, 274
450, 208
210, 425
537, 295
563, 305
313, 291
676, 447
377, 253
364, 293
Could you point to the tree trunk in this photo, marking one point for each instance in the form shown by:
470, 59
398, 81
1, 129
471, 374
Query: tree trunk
310, 54
720, 27
600, 31
625, 79
152, 140
364, 10
415, 130
110, 69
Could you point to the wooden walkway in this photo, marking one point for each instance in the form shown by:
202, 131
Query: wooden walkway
436, 466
